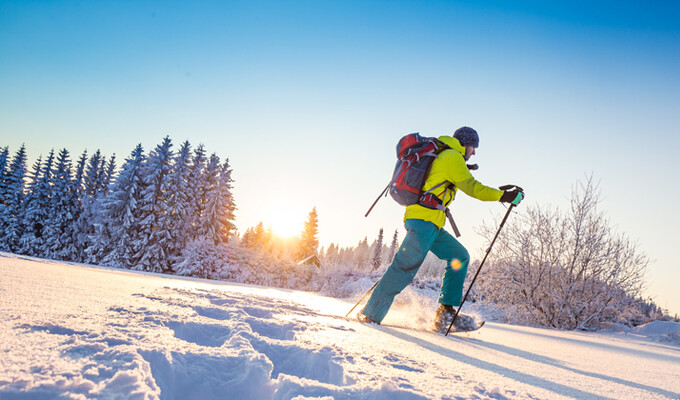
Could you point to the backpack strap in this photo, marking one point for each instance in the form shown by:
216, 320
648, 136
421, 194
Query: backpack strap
430, 200
453, 223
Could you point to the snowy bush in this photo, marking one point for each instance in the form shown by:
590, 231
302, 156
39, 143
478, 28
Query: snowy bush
568, 271
203, 259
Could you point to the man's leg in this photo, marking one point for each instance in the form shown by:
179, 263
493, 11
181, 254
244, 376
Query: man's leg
419, 238
446, 247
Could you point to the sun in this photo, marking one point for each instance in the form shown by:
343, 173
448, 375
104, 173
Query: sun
284, 218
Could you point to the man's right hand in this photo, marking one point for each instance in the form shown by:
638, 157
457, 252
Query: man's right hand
513, 196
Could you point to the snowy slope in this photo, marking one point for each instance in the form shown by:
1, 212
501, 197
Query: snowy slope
75, 331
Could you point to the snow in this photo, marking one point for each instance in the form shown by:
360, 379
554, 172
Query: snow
76, 331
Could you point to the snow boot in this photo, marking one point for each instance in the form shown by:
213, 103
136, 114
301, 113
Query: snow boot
363, 318
463, 323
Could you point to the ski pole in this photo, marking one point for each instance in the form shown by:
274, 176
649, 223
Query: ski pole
480, 268
384, 192
362, 298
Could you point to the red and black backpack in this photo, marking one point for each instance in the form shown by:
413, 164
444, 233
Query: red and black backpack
415, 155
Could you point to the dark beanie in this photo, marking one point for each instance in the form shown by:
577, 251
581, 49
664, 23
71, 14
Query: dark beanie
467, 136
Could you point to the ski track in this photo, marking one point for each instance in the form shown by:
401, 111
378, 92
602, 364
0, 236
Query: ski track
83, 332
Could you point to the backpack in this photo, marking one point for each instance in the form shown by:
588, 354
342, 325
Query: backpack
415, 155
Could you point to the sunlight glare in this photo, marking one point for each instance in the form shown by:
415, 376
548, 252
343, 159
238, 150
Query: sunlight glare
285, 218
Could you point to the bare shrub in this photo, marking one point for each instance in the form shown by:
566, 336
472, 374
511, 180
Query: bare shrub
564, 270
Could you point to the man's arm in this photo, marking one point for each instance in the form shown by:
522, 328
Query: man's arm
460, 175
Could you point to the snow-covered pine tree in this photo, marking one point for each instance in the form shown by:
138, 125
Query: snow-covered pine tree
309, 241
85, 225
93, 174
376, 262
121, 214
79, 178
207, 184
78, 189
361, 253
100, 236
153, 241
226, 181
11, 199
63, 209
331, 255
195, 185
107, 176
176, 220
35, 209
216, 219
4, 162
259, 236
248, 239
394, 246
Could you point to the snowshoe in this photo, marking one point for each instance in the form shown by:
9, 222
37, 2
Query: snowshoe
363, 318
464, 323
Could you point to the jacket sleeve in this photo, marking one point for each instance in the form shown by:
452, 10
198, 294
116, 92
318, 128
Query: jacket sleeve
460, 176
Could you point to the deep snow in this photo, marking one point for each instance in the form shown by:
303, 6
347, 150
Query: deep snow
75, 331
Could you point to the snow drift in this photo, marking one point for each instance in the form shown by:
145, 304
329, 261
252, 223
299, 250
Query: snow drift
74, 331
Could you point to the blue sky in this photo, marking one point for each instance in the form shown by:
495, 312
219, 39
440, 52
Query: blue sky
308, 98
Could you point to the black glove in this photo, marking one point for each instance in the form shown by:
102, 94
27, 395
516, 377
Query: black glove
512, 194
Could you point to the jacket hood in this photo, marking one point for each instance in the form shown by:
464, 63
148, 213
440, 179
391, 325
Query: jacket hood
452, 143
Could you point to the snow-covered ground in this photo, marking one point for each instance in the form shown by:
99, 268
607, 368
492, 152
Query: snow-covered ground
74, 331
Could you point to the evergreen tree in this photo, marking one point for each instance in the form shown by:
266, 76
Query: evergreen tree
4, 161
259, 235
78, 190
36, 208
394, 246
362, 253
121, 215
377, 251
176, 221
248, 239
88, 219
331, 255
226, 182
79, 179
206, 185
107, 175
153, 241
309, 241
195, 183
99, 236
62, 212
93, 174
32, 177
217, 217
11, 200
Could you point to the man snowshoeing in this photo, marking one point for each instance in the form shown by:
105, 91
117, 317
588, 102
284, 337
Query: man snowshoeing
424, 227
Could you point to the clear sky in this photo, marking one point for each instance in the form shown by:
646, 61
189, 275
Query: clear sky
308, 98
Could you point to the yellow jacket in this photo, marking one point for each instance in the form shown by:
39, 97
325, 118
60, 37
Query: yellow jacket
450, 166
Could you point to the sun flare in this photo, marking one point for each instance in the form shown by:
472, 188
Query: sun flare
285, 219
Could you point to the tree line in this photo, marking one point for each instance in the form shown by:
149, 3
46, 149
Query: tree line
139, 217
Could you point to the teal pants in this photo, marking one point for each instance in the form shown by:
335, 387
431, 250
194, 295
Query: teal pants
421, 237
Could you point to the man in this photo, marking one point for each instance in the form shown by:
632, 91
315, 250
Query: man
424, 227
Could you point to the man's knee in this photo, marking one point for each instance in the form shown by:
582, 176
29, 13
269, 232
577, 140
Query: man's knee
459, 260
464, 256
